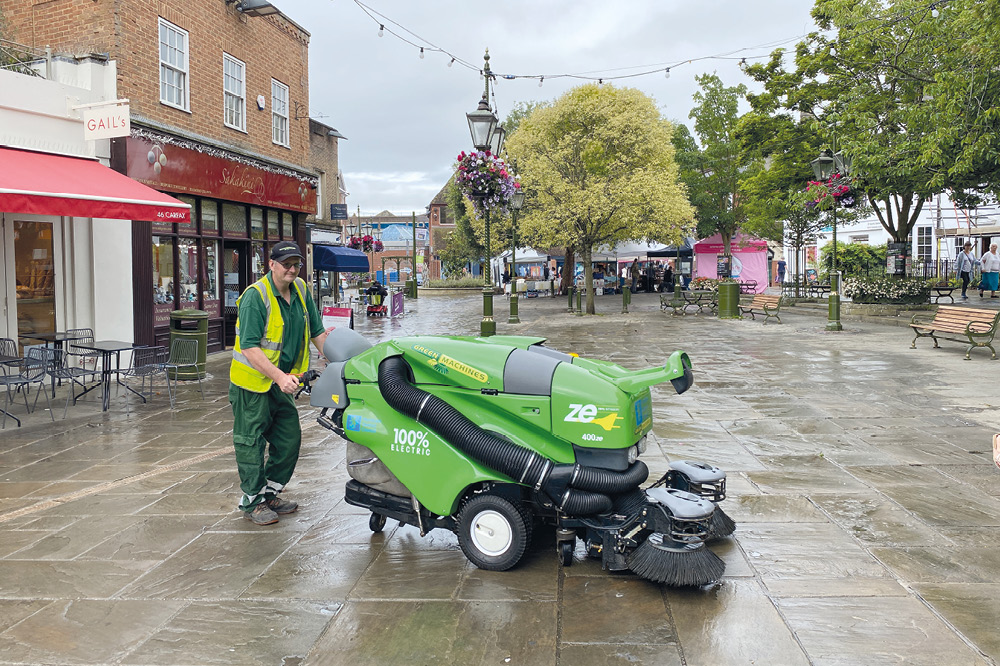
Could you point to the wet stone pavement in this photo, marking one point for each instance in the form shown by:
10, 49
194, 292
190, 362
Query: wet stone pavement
859, 475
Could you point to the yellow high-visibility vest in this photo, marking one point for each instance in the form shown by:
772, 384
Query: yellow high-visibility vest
245, 375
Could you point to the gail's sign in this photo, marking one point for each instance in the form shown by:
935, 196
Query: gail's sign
106, 122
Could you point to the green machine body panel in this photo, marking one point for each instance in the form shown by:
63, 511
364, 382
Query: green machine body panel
553, 402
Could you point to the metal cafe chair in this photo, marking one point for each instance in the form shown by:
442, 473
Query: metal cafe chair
147, 363
33, 371
74, 375
183, 355
85, 356
8, 350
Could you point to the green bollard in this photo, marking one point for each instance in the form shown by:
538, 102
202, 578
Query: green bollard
579, 295
626, 299
833, 305
569, 291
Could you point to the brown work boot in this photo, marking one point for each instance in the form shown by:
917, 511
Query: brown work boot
261, 515
281, 506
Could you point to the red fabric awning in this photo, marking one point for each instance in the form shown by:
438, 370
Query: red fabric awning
46, 184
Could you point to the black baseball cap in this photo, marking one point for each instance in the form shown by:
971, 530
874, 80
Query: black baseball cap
284, 250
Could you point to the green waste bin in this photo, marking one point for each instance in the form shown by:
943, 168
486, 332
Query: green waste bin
729, 300
193, 324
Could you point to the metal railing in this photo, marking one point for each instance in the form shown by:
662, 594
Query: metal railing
23, 59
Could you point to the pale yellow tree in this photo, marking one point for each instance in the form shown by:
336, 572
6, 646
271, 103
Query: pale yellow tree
599, 169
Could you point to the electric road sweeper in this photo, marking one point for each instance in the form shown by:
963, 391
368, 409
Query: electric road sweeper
495, 437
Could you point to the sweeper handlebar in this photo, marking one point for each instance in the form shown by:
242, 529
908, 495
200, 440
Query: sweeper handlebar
305, 381
677, 370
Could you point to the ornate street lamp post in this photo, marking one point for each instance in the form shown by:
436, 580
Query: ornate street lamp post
823, 168
516, 201
483, 128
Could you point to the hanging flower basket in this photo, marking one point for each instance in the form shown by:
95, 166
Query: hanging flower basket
364, 243
484, 179
837, 188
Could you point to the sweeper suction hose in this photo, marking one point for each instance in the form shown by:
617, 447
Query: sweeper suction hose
575, 489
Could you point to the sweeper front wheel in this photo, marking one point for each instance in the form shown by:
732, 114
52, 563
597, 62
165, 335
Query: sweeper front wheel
566, 549
493, 532
376, 522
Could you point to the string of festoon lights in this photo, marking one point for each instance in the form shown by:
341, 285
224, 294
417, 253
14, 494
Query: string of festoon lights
424, 46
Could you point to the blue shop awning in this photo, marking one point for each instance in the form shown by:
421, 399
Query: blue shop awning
339, 259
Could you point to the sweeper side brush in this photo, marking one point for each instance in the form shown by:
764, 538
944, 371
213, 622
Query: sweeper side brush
487, 437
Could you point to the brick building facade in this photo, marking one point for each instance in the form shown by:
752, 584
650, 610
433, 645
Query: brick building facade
219, 104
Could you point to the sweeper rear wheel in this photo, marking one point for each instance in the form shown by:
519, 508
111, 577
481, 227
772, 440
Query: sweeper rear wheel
493, 532
376, 522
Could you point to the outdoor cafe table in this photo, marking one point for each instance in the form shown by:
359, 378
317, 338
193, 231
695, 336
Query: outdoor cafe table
57, 340
109, 348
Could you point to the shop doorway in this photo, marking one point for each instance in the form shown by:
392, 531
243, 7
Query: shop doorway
236, 271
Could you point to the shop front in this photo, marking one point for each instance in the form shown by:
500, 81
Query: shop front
239, 208
64, 224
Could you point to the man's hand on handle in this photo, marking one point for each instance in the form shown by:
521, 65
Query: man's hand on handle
289, 384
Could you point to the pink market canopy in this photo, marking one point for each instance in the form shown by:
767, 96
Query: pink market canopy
749, 258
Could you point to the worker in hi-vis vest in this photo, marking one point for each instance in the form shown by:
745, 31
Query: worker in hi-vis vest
277, 318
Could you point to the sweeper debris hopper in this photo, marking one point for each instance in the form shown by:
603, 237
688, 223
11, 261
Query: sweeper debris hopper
493, 437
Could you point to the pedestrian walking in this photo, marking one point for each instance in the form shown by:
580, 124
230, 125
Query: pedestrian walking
634, 273
990, 277
276, 319
781, 271
963, 266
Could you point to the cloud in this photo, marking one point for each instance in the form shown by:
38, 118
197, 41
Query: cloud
405, 116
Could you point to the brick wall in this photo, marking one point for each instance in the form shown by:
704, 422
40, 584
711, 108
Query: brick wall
323, 157
270, 46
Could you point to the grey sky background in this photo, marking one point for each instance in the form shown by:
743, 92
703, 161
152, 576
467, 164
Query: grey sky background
405, 116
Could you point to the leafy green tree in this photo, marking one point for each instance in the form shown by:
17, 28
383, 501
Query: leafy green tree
855, 259
776, 151
462, 245
600, 169
863, 82
801, 225
712, 167
518, 113
964, 97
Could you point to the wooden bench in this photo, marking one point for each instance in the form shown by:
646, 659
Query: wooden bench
971, 326
765, 304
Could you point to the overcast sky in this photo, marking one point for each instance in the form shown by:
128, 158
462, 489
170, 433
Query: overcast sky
404, 117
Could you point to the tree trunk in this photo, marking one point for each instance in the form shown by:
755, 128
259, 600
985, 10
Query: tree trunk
567, 271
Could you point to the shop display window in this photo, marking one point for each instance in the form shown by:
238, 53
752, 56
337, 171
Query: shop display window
256, 223
187, 256
163, 280
259, 265
286, 225
34, 269
192, 228
210, 280
209, 217
234, 220
273, 228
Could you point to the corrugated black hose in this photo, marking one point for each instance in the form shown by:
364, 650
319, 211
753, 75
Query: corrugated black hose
565, 484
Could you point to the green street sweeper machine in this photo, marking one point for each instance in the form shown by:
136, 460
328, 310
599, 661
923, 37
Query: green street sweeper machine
495, 437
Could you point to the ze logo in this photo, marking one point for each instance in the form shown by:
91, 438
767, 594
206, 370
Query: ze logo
588, 414
581, 413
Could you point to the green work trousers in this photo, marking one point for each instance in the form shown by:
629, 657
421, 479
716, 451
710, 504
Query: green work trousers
264, 422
